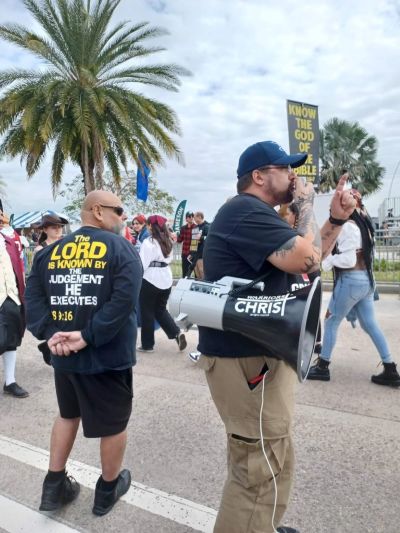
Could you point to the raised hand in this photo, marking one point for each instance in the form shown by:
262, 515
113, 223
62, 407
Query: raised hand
343, 203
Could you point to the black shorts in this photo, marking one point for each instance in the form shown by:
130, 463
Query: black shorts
11, 326
103, 401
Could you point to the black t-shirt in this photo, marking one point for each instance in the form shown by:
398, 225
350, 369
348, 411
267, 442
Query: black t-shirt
89, 281
245, 232
203, 227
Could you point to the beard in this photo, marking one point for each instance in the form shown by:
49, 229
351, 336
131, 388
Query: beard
284, 197
117, 228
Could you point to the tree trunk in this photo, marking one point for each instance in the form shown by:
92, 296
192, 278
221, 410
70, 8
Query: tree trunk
88, 182
98, 163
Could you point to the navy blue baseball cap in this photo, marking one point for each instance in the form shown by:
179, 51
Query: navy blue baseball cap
267, 153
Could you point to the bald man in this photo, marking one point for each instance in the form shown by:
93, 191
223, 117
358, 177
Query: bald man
81, 297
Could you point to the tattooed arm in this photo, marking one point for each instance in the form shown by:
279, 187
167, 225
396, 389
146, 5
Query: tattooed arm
301, 254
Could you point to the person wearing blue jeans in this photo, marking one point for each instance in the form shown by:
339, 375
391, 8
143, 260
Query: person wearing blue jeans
353, 291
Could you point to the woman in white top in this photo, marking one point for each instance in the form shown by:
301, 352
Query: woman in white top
156, 255
354, 284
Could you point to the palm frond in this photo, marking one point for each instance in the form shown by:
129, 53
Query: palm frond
347, 145
80, 104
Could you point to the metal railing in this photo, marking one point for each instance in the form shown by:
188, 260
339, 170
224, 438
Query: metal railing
386, 263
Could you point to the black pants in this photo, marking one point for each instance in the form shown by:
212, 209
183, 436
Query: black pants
185, 266
153, 305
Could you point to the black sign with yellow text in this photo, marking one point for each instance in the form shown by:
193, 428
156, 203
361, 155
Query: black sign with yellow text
304, 137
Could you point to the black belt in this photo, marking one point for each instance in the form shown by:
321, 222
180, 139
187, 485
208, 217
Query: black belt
158, 264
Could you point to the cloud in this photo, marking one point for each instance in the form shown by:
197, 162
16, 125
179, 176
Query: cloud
247, 57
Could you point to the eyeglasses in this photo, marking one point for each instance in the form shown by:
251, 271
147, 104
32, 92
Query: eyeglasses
118, 210
278, 167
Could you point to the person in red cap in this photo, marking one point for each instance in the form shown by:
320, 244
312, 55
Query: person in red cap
140, 229
156, 255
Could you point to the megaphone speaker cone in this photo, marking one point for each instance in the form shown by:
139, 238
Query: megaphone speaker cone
285, 325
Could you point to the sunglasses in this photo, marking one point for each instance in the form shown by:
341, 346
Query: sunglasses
118, 210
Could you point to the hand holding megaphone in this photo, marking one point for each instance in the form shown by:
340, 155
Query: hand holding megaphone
304, 190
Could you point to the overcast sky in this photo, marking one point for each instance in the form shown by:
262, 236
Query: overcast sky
247, 58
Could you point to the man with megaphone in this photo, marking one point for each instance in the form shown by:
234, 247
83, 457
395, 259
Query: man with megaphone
252, 390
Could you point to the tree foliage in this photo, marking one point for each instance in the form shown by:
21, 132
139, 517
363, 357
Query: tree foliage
81, 105
158, 202
347, 146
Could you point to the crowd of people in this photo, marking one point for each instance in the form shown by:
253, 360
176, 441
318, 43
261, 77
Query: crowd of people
86, 289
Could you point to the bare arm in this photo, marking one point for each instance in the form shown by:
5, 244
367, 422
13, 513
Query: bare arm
342, 206
301, 254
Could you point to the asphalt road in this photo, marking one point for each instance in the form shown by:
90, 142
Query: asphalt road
346, 433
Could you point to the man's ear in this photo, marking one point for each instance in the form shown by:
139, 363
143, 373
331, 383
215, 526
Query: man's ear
96, 211
258, 178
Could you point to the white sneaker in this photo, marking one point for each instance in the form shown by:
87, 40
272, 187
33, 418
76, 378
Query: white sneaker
194, 356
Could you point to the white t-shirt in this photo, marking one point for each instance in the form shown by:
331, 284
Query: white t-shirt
349, 241
160, 277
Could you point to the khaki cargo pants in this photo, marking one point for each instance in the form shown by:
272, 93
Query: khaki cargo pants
248, 496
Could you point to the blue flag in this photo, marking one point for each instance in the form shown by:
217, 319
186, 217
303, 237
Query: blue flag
142, 179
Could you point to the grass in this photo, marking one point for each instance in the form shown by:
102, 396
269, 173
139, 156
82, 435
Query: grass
389, 276
384, 276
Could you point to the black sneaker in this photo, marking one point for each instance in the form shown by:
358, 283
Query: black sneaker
389, 377
147, 350
59, 493
285, 529
181, 341
320, 370
104, 501
15, 390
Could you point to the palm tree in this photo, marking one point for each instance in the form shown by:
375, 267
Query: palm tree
3, 188
80, 105
347, 146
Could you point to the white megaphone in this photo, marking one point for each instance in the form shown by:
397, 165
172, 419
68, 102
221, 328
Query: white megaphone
286, 324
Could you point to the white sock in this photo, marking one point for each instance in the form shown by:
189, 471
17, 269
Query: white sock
9, 360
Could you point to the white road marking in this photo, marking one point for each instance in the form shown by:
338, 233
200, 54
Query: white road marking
16, 518
180, 510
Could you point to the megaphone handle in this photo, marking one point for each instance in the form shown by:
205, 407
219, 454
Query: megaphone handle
250, 285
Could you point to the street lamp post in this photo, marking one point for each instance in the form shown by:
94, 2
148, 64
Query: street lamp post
394, 174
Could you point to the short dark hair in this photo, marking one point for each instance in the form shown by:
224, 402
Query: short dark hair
244, 182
